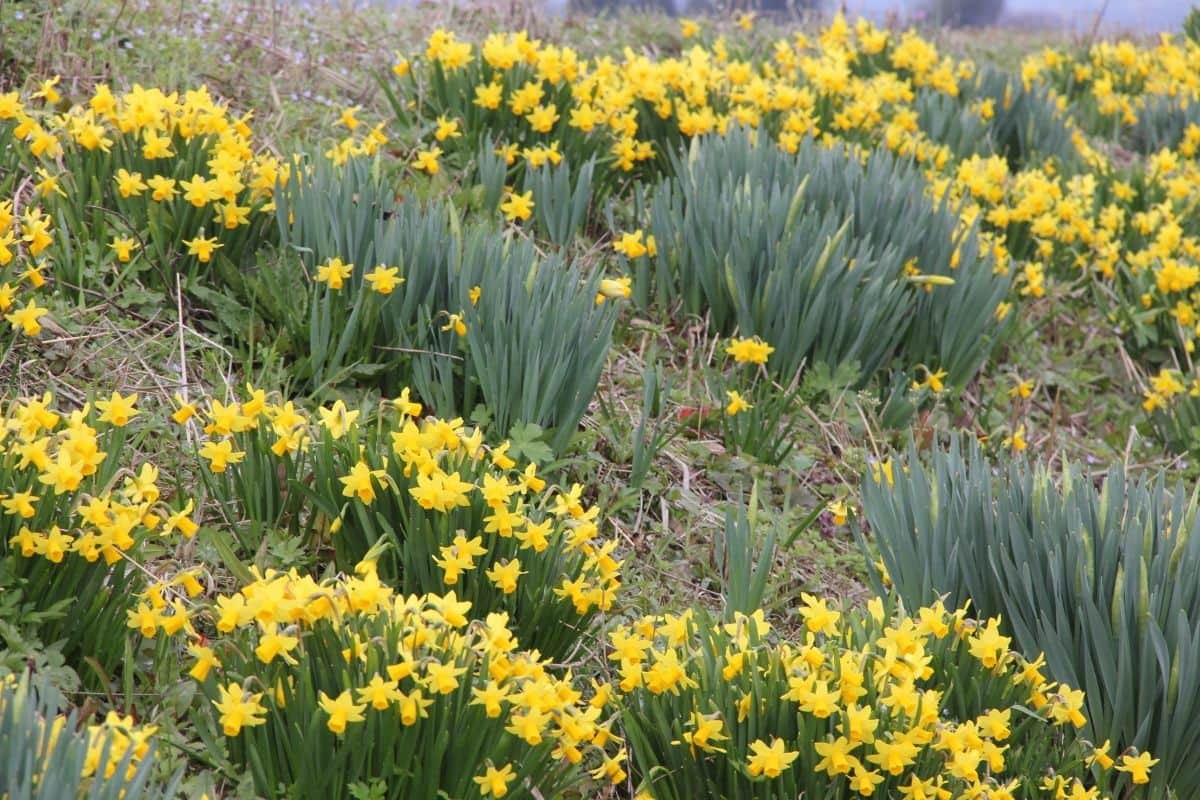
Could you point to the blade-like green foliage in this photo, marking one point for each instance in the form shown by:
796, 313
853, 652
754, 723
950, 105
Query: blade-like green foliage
43, 756
535, 341
822, 254
744, 571
1105, 582
948, 122
562, 196
1026, 127
1161, 122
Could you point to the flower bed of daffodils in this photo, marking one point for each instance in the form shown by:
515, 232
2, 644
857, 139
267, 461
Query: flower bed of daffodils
455, 624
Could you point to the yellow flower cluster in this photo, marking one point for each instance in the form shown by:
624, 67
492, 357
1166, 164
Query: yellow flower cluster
353, 146
1166, 385
24, 238
405, 660
441, 465
122, 737
45, 458
1119, 76
143, 150
1066, 222
161, 123
632, 108
864, 703
749, 351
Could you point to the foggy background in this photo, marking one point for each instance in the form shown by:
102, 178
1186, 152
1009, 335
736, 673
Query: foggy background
1134, 16
1146, 16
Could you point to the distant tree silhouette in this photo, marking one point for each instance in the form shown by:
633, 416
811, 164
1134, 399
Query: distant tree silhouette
966, 13
980, 12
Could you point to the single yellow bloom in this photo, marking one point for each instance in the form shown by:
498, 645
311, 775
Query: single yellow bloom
933, 380
198, 191
337, 419
1017, 441
272, 644
123, 247
379, 694
518, 206
239, 709
205, 661
705, 733
508, 152
631, 245
334, 272
163, 188
19, 504
1138, 767
505, 576
1022, 389
26, 319
489, 95
47, 91
1100, 756
737, 403
221, 454
186, 526
185, 411
769, 760
455, 323
48, 184
384, 279
202, 248
348, 119
63, 473
405, 405
427, 160
129, 184
341, 710
542, 118
118, 410
358, 483
495, 781
612, 288
446, 129
156, 146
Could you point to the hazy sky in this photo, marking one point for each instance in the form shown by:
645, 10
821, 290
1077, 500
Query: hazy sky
1147, 16
1143, 15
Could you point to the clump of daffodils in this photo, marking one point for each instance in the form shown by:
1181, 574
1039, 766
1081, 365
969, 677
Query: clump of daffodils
1171, 401
317, 685
74, 518
24, 239
929, 705
856, 82
462, 516
180, 173
57, 472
